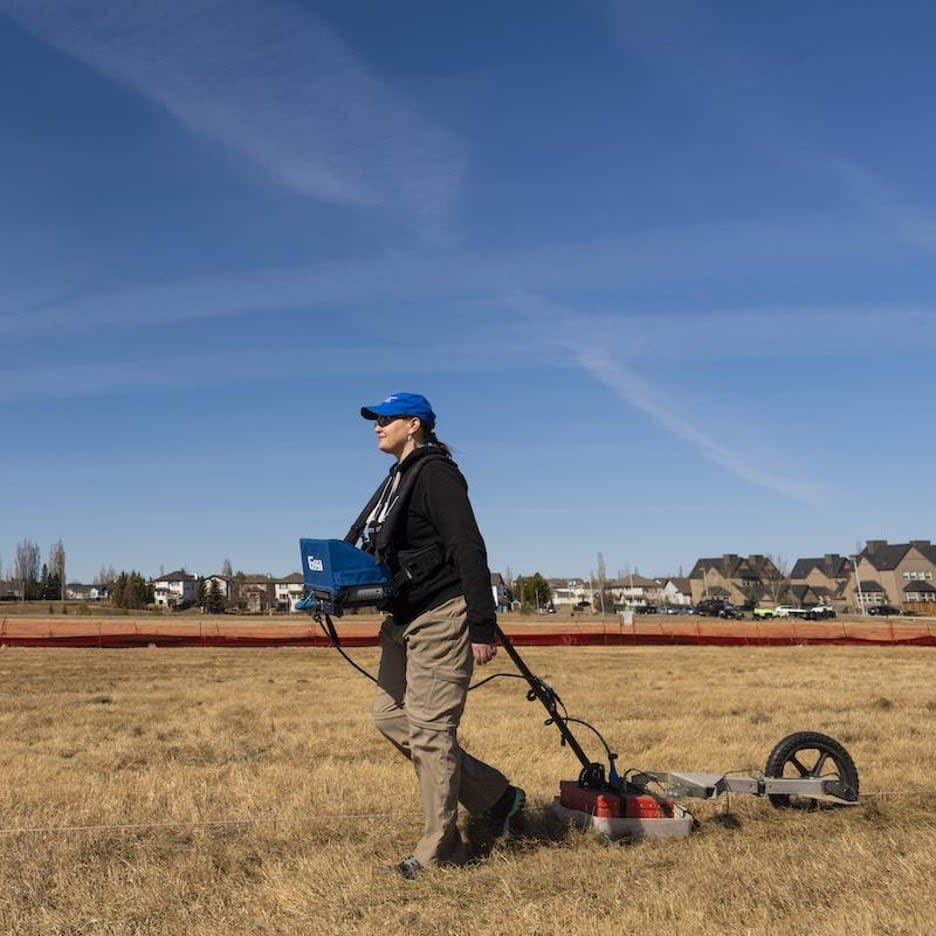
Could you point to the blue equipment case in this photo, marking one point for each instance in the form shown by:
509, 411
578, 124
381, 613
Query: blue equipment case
338, 576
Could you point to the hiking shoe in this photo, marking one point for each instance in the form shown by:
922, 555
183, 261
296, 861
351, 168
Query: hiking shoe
409, 867
505, 810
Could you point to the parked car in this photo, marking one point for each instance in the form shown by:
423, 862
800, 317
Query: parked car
731, 612
710, 606
646, 609
820, 613
784, 611
765, 613
883, 610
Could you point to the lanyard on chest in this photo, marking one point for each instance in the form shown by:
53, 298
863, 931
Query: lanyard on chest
376, 523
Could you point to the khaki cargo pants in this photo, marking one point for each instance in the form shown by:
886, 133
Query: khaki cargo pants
423, 679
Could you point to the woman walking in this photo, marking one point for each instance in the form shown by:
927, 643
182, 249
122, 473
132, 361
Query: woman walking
441, 623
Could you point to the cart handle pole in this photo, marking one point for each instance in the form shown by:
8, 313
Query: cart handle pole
546, 695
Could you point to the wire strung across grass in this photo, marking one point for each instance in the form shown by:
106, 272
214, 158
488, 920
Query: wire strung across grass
194, 823
275, 820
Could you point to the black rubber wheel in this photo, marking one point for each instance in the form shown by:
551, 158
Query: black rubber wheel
810, 754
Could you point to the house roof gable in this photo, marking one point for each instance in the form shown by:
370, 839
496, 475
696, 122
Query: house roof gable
885, 557
178, 576
831, 565
917, 586
733, 566
681, 584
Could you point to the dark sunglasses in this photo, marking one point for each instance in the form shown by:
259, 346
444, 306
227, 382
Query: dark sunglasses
386, 420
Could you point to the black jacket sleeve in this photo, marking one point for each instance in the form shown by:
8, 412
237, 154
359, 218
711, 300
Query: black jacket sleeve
446, 502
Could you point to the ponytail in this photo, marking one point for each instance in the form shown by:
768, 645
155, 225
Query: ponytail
431, 439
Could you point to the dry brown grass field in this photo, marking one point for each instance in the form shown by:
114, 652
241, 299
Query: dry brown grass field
201, 791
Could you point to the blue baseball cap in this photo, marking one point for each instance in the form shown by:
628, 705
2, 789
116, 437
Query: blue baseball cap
402, 404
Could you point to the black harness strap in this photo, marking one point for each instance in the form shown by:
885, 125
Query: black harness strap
379, 536
400, 498
357, 528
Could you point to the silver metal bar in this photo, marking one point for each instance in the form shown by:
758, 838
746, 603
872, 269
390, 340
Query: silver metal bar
712, 785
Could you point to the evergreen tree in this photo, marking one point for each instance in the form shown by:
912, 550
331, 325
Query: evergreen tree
50, 585
534, 591
215, 600
131, 591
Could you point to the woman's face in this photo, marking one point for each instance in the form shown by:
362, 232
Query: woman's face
395, 436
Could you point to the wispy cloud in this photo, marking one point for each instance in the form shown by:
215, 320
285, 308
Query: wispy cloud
638, 393
591, 271
170, 372
867, 190
271, 80
759, 96
615, 369
165, 373
773, 332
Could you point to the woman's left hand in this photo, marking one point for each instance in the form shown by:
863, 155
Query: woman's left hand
483, 653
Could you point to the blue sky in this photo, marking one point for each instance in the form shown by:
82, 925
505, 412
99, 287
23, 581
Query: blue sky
666, 275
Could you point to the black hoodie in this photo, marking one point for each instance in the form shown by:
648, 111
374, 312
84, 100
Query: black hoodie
438, 512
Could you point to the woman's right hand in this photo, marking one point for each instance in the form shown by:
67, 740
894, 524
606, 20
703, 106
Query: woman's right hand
483, 653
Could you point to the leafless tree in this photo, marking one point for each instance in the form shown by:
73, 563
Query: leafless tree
26, 568
779, 585
107, 576
602, 580
57, 565
227, 569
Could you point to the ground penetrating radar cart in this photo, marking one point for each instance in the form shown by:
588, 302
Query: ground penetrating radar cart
806, 769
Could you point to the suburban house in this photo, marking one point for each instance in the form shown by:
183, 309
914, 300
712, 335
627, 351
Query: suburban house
901, 574
829, 580
676, 592
258, 593
287, 591
633, 591
75, 591
499, 591
738, 579
176, 590
568, 594
9, 591
255, 594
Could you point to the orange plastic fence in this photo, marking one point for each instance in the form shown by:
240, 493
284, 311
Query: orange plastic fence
229, 631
